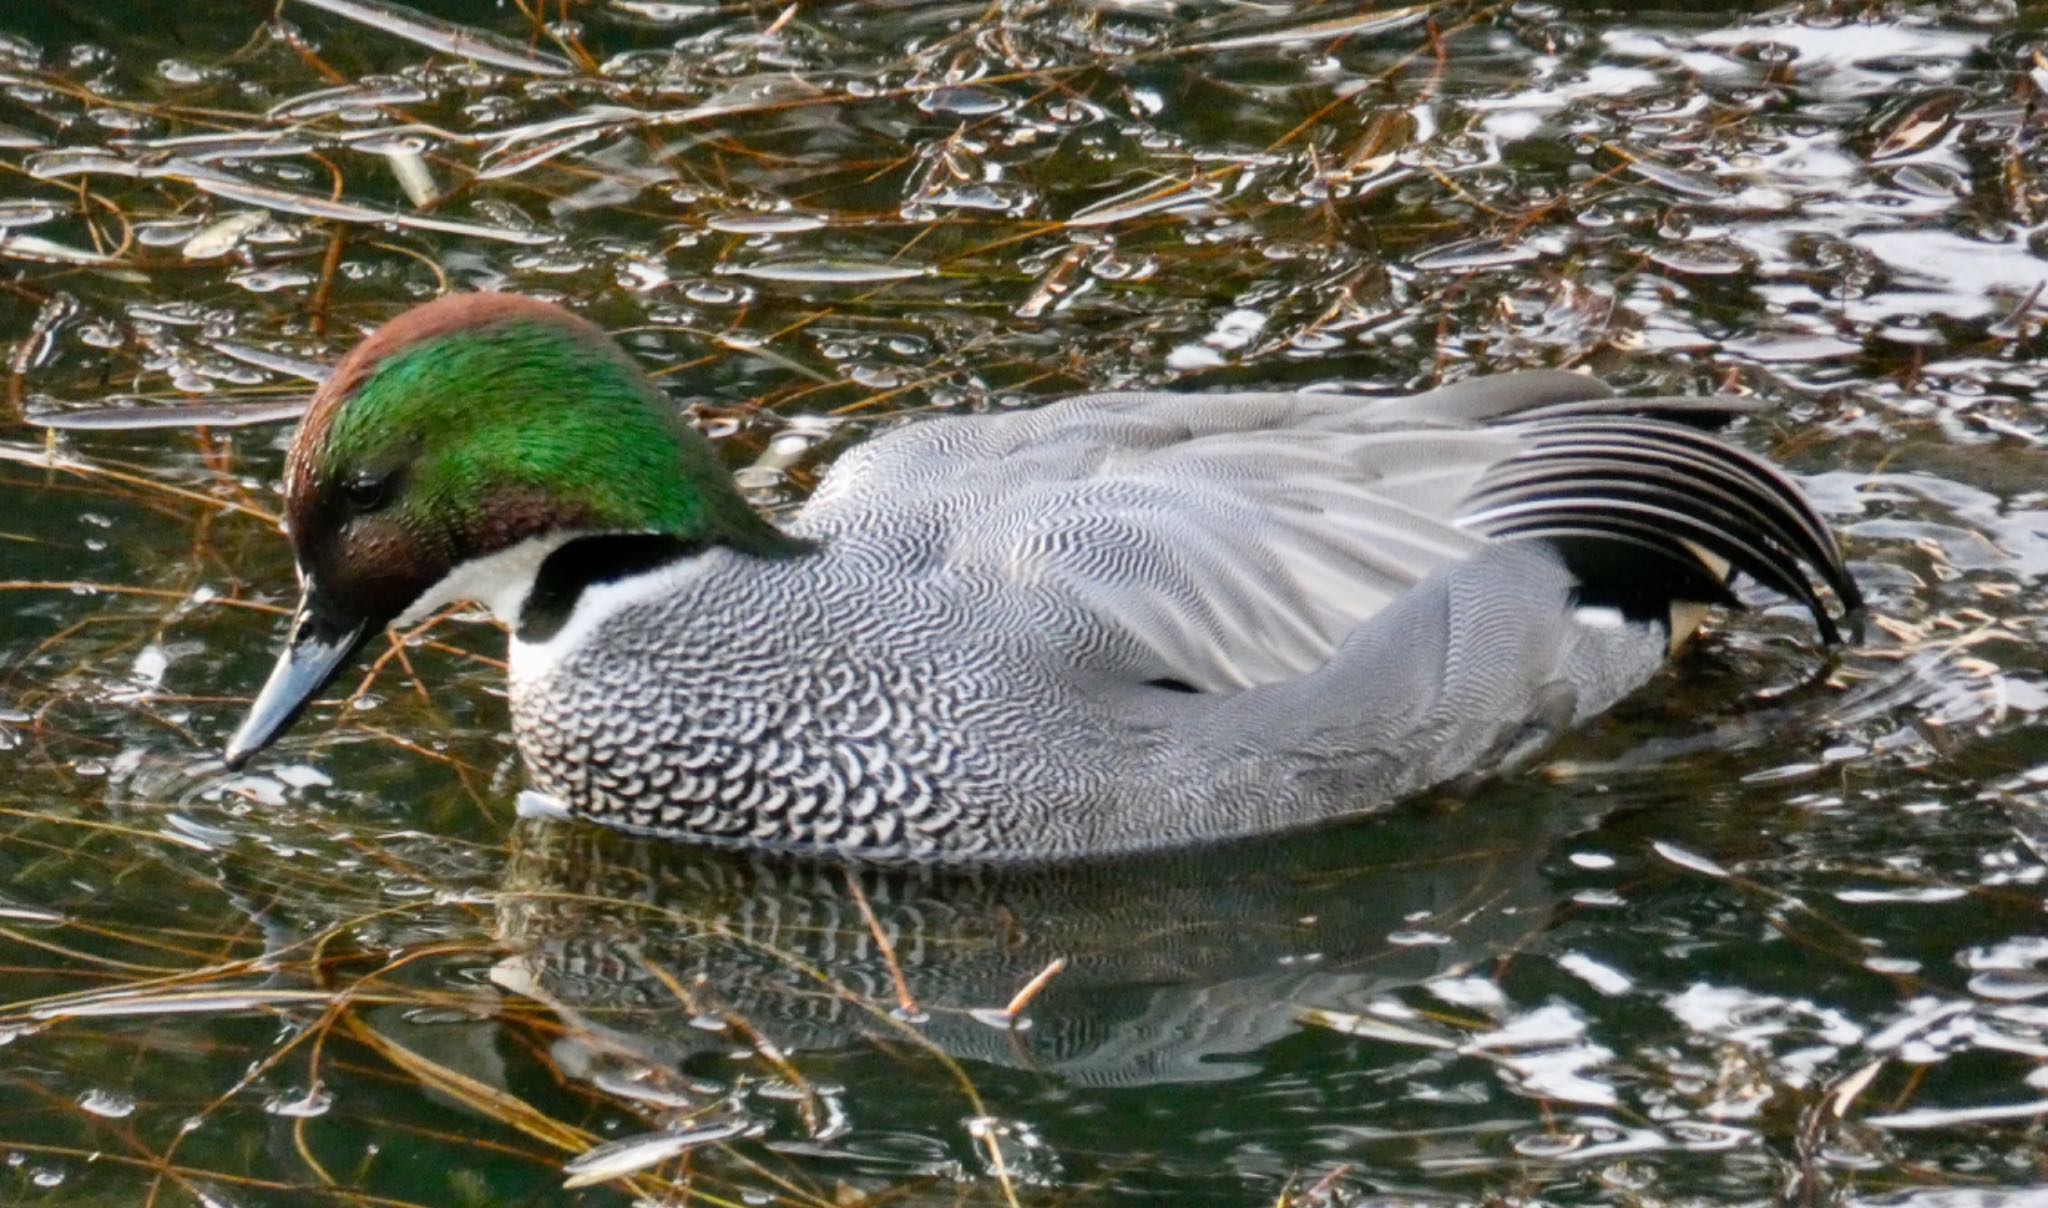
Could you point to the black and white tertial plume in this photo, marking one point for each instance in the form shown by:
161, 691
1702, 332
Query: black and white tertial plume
1647, 512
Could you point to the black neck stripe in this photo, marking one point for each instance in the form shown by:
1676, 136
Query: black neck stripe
586, 562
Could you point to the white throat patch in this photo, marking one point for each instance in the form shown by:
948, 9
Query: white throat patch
502, 580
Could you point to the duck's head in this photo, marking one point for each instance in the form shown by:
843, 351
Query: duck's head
450, 454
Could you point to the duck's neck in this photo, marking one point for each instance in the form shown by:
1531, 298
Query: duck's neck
573, 567
532, 585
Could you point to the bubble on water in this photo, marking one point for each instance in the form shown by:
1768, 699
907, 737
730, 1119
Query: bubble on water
828, 272
302, 776
269, 281
110, 1105
178, 71
301, 1104
764, 224
714, 293
149, 665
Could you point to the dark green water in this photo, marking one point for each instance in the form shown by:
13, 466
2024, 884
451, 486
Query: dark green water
1775, 931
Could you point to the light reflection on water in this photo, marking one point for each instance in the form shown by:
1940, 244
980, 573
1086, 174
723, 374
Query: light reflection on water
1774, 930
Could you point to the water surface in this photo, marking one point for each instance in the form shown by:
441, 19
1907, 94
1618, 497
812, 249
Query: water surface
1773, 931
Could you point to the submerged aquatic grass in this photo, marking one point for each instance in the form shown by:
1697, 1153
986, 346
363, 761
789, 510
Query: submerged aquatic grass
1767, 934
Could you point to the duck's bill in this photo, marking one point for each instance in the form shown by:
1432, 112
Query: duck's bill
321, 644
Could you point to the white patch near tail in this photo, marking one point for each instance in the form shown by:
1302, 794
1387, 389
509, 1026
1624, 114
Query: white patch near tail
1688, 615
1599, 616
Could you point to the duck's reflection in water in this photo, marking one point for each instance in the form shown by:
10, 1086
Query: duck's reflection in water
1177, 968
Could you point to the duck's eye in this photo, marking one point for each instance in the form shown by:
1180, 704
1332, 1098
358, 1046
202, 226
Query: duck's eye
367, 491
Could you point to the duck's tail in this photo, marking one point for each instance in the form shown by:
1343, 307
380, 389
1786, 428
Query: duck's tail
1652, 514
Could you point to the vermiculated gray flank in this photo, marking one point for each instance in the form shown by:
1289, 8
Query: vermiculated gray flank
1128, 621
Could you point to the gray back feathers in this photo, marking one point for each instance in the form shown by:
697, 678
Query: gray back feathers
1239, 538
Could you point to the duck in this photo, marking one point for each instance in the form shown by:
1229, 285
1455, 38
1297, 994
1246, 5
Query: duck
1120, 622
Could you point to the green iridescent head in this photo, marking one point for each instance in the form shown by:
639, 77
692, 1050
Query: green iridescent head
465, 428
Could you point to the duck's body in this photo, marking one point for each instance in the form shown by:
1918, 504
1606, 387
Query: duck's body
1117, 622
